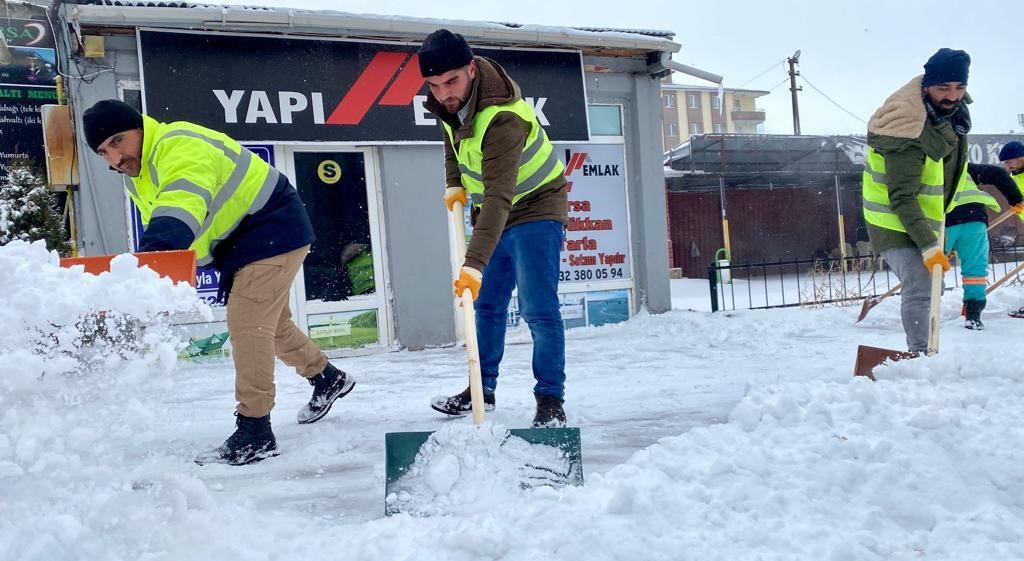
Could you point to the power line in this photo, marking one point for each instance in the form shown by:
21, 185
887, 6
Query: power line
777, 85
848, 112
767, 70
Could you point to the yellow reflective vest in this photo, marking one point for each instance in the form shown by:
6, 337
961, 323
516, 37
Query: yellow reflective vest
970, 193
877, 210
538, 163
201, 177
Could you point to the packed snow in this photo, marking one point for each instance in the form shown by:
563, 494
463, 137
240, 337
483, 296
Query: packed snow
733, 435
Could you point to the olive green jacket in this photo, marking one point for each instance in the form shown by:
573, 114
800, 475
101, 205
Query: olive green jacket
902, 133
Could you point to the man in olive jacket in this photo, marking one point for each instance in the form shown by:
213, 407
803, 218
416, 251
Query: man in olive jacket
916, 163
496, 151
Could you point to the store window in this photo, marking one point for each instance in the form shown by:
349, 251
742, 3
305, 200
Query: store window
340, 262
605, 120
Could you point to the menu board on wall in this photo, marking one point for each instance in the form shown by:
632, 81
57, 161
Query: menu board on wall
26, 84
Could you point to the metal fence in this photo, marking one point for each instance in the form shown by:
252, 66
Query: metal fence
828, 281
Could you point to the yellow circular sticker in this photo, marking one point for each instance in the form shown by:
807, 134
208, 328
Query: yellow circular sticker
329, 172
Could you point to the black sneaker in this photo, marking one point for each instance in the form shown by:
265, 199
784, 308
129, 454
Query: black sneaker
328, 386
972, 310
252, 441
549, 412
460, 404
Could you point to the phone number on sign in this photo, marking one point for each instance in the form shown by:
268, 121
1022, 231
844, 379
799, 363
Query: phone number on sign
590, 274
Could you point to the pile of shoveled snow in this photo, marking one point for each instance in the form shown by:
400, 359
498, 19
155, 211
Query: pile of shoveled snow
57, 320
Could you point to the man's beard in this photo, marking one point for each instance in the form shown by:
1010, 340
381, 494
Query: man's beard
945, 109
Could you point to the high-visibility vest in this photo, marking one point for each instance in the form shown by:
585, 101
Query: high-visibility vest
970, 193
876, 193
538, 163
201, 177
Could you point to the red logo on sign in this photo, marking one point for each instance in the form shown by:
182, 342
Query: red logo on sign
575, 161
373, 81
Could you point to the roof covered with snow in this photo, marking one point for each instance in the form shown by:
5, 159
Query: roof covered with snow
622, 42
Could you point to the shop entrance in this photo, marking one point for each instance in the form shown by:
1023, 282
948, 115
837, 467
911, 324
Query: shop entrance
341, 300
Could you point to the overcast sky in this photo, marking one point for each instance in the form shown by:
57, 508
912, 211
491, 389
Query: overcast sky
854, 52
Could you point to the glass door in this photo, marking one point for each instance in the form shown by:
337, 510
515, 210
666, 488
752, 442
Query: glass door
340, 291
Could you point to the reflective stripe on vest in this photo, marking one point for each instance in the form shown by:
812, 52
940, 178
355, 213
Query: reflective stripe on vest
970, 193
876, 193
538, 163
201, 177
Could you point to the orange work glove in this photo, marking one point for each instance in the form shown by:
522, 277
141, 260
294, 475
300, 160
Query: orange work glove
453, 194
1017, 208
468, 278
932, 256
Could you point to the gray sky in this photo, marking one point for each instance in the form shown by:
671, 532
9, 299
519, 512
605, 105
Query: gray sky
854, 52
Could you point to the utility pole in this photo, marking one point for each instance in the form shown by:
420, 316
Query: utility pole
793, 73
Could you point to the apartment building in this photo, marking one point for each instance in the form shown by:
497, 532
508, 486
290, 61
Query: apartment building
688, 110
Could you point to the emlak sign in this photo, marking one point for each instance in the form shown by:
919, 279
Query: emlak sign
258, 88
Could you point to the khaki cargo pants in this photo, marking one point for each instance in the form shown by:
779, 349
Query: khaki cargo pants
260, 326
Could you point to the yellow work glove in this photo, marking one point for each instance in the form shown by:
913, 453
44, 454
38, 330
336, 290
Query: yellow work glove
453, 194
932, 256
468, 278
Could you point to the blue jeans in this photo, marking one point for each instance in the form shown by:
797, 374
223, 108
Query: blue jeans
526, 256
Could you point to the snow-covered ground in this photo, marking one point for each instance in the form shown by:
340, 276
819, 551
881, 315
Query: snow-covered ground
735, 436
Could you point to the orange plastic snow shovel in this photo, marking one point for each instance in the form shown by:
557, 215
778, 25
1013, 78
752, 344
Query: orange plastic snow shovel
401, 448
873, 301
177, 265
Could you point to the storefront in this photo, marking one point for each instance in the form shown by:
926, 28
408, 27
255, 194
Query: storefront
342, 117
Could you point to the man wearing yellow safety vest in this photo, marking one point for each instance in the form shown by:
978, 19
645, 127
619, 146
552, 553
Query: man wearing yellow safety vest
496, 151
967, 232
916, 163
1011, 155
200, 189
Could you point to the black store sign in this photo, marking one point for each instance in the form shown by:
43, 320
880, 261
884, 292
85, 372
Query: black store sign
281, 89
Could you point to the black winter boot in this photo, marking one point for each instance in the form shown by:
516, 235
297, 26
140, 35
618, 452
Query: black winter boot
328, 386
252, 441
460, 403
973, 310
549, 412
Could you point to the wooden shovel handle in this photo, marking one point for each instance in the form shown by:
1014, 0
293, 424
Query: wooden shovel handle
476, 386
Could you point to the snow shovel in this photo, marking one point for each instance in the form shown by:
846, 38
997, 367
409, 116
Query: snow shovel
873, 301
401, 448
870, 357
178, 265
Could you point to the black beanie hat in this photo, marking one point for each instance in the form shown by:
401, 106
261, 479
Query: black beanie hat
1011, 150
946, 65
107, 118
442, 51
